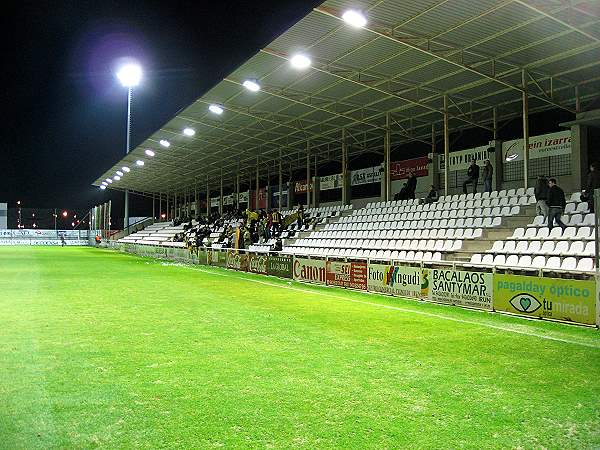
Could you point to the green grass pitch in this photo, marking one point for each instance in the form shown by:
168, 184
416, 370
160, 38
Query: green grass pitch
102, 349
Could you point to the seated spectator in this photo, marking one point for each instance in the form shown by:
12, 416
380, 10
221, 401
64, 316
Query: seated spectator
592, 183
278, 246
403, 194
433, 196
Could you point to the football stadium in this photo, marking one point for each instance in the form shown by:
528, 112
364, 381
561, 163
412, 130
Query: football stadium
378, 231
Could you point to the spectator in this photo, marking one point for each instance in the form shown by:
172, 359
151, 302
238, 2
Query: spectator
472, 177
300, 214
276, 222
433, 196
278, 246
592, 183
488, 175
411, 185
541, 196
556, 204
403, 194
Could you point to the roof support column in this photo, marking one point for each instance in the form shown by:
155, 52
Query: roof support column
159, 206
525, 130
435, 179
345, 196
237, 190
280, 199
221, 195
257, 184
196, 205
387, 144
446, 146
207, 198
153, 208
167, 207
308, 174
498, 155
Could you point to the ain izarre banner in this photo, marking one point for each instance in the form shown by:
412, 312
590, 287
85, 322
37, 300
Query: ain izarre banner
462, 288
347, 274
552, 298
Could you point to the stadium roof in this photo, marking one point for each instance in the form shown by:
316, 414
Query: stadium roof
402, 63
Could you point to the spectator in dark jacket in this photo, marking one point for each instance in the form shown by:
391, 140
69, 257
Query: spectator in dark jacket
403, 194
592, 183
433, 196
556, 204
411, 185
541, 196
488, 176
472, 177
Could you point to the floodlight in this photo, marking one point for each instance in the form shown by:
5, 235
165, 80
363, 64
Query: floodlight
252, 85
149, 152
300, 61
102, 187
104, 183
354, 18
65, 214
130, 75
109, 180
116, 178
119, 173
165, 143
189, 131
139, 162
217, 109
125, 169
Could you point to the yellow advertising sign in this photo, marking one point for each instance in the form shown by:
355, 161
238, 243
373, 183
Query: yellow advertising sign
552, 298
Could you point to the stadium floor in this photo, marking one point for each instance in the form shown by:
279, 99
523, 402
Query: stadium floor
99, 348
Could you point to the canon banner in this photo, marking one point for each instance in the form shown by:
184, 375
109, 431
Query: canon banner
400, 170
347, 274
457, 287
311, 270
257, 263
402, 281
280, 266
365, 176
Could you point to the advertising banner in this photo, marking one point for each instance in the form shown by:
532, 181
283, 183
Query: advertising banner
228, 200
214, 202
461, 160
257, 263
331, 182
365, 176
311, 270
552, 144
347, 274
244, 197
262, 198
402, 281
202, 257
280, 266
301, 186
275, 197
552, 298
400, 170
237, 261
217, 258
462, 288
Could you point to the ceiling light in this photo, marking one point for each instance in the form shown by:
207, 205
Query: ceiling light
125, 169
102, 187
354, 18
149, 152
189, 131
217, 109
300, 61
165, 143
119, 173
139, 162
252, 85
108, 180
104, 183
116, 178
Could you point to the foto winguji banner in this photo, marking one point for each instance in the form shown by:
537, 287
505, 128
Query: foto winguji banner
553, 298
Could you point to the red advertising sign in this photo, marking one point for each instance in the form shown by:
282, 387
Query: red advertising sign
262, 198
347, 274
301, 186
400, 170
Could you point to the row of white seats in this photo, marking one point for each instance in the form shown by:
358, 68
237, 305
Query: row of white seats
573, 220
438, 245
478, 222
388, 233
449, 206
506, 211
540, 234
379, 255
559, 248
526, 262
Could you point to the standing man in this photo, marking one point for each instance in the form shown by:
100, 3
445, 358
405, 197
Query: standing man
541, 196
276, 222
592, 183
411, 185
556, 204
300, 214
488, 175
472, 177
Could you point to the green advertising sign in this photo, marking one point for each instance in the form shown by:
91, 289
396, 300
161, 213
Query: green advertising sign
280, 266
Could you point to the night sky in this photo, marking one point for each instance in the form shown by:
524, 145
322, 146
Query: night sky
64, 112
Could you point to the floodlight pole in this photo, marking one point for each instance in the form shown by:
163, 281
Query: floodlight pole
126, 218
